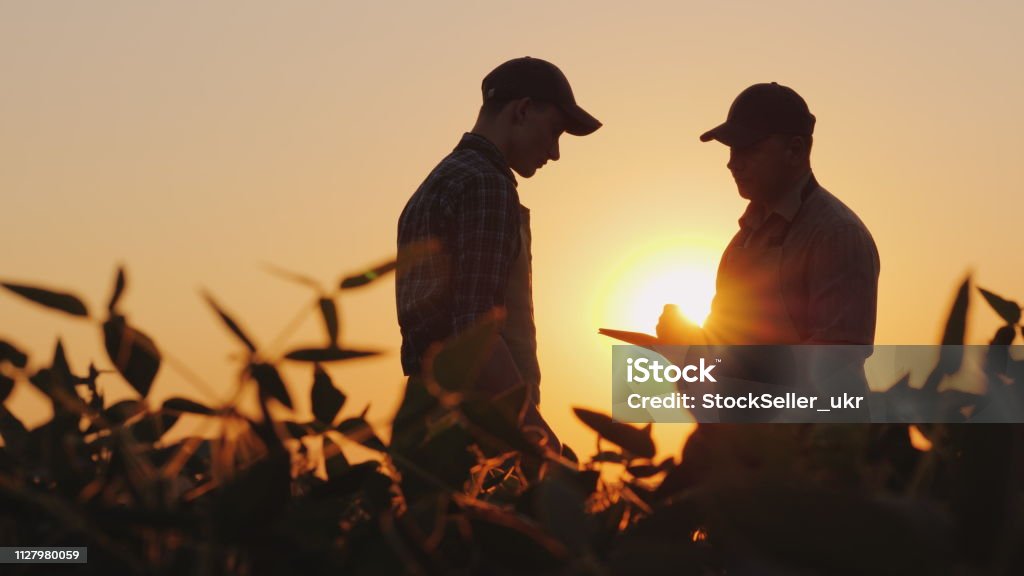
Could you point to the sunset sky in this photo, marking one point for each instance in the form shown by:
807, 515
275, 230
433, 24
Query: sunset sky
195, 141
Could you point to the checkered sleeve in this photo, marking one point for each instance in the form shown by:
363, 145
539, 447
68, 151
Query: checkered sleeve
486, 240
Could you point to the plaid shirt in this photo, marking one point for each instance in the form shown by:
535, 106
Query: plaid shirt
469, 204
829, 269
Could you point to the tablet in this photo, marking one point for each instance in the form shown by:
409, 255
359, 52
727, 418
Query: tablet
635, 338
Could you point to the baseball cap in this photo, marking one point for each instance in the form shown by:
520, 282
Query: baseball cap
760, 111
541, 80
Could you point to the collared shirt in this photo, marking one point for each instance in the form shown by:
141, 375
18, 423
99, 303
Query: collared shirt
830, 265
469, 204
786, 206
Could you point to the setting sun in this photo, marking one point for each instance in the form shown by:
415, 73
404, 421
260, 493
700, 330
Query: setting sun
680, 271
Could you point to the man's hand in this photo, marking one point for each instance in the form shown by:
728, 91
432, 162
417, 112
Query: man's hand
674, 328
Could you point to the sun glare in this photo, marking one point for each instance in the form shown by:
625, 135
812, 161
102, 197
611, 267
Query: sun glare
680, 272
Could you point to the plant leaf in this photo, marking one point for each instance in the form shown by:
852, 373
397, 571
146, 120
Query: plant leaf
609, 456
133, 353
951, 353
187, 406
330, 314
458, 363
293, 276
1004, 336
329, 354
358, 429
123, 411
152, 427
119, 283
634, 440
326, 399
334, 459
62, 301
485, 415
298, 430
11, 354
13, 432
364, 278
643, 470
559, 504
1008, 310
6, 385
230, 323
270, 383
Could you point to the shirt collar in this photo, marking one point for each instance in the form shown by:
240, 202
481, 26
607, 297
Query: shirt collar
471, 141
787, 206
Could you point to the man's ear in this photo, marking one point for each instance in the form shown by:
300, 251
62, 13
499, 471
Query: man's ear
797, 148
519, 110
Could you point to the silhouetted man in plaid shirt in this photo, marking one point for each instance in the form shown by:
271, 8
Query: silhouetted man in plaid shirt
470, 206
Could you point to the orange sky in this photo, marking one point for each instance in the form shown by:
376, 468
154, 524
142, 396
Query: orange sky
193, 142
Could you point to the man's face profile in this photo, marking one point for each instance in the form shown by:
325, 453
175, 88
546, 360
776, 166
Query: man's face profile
763, 169
537, 127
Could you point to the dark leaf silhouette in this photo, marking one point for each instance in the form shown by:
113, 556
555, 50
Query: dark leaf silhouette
152, 427
334, 459
458, 363
643, 470
230, 323
560, 508
370, 275
347, 480
956, 323
297, 429
1004, 336
58, 383
123, 411
293, 276
251, 503
330, 314
12, 354
997, 357
187, 406
327, 354
607, 456
489, 418
1008, 310
133, 353
414, 253
270, 383
634, 440
13, 432
326, 399
6, 385
119, 283
359, 430
951, 355
51, 299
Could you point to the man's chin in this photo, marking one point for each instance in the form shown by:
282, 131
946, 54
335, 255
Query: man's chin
525, 172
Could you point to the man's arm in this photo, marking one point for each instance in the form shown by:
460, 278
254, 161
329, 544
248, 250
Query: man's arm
842, 281
486, 240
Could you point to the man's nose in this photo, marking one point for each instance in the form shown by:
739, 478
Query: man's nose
553, 153
734, 164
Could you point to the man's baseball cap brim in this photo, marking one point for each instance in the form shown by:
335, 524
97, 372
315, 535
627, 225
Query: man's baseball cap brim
578, 121
541, 80
732, 135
